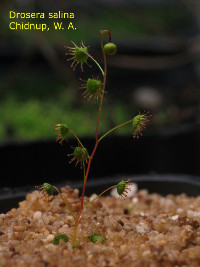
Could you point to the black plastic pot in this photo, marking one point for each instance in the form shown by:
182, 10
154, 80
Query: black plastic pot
162, 184
176, 151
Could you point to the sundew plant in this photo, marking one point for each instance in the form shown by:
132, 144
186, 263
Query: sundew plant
93, 88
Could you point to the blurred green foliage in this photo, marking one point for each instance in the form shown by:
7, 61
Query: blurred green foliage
31, 109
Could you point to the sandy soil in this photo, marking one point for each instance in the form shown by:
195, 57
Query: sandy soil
145, 230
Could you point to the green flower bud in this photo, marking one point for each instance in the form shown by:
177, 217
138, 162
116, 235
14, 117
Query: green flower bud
80, 154
122, 188
62, 132
139, 124
110, 49
94, 86
79, 55
48, 188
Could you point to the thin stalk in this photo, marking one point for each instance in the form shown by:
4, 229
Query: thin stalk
111, 187
96, 137
113, 129
84, 170
95, 63
66, 204
76, 138
74, 236
104, 80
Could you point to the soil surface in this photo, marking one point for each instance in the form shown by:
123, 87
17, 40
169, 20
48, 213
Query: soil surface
144, 230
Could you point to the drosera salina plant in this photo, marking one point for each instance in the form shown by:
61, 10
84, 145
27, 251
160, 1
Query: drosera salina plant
94, 88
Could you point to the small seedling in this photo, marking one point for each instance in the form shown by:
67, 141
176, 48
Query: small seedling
59, 237
96, 237
94, 88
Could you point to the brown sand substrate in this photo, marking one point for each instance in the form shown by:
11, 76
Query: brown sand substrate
146, 230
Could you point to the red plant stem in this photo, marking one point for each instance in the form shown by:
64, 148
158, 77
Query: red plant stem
104, 80
96, 133
109, 35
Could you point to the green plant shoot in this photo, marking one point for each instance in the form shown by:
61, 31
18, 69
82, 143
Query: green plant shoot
94, 88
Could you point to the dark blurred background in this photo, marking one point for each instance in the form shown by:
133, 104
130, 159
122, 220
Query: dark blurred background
157, 68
